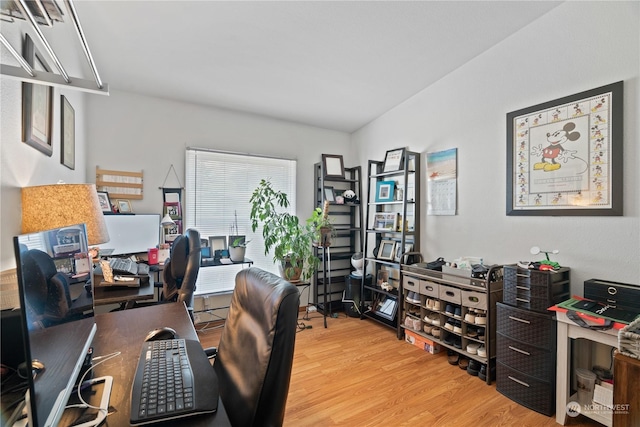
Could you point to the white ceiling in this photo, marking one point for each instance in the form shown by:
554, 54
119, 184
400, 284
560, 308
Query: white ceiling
336, 65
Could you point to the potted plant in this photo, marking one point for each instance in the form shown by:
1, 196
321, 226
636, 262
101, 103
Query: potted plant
237, 247
320, 221
290, 239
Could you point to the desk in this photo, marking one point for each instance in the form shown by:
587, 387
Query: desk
568, 330
125, 331
126, 297
215, 262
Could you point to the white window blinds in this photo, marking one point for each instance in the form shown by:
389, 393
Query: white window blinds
218, 188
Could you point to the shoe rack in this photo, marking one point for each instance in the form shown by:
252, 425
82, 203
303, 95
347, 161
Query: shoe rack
456, 311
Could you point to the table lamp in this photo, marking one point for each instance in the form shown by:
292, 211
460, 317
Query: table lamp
166, 221
58, 205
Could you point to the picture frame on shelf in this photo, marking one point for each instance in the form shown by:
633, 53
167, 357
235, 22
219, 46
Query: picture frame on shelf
217, 243
564, 157
105, 202
333, 165
67, 133
124, 206
384, 191
37, 104
385, 221
393, 160
171, 232
399, 255
386, 307
173, 210
329, 194
387, 250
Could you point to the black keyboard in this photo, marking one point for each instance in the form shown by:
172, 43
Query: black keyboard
173, 379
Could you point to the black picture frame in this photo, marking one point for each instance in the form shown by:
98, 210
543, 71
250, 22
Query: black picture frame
37, 104
333, 166
386, 307
67, 133
329, 194
393, 160
105, 202
579, 172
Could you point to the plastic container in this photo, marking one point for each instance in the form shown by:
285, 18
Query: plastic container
585, 382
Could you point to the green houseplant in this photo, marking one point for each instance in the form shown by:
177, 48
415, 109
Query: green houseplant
290, 239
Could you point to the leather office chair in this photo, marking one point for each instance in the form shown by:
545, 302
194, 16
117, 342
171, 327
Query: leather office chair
47, 291
181, 270
255, 354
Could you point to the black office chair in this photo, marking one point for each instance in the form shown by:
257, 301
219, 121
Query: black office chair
181, 270
255, 354
47, 291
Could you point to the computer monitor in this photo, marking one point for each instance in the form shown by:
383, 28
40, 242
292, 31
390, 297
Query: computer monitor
55, 286
131, 234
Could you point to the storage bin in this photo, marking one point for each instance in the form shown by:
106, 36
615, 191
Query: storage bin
411, 284
450, 294
430, 289
474, 299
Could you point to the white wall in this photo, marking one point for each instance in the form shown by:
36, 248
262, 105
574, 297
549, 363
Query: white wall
576, 47
135, 132
20, 164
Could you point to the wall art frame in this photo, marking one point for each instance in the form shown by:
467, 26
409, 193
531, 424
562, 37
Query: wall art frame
105, 202
393, 160
384, 191
67, 133
387, 250
37, 104
333, 165
564, 157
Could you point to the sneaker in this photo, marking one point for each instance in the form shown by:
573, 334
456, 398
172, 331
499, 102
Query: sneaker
457, 327
481, 318
435, 332
429, 304
435, 319
457, 313
472, 348
450, 325
463, 363
436, 304
472, 332
482, 351
457, 342
413, 297
427, 329
473, 368
470, 316
481, 334
449, 310
448, 339
483, 373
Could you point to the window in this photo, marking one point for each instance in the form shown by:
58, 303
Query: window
218, 188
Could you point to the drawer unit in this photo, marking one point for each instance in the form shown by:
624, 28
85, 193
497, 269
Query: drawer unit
430, 289
535, 290
526, 390
411, 284
450, 294
621, 295
474, 299
526, 326
525, 358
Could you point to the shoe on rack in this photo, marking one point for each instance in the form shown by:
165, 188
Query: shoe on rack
449, 326
463, 363
483, 373
452, 357
472, 332
482, 351
481, 334
427, 329
481, 317
413, 297
457, 327
470, 316
457, 312
448, 310
435, 319
436, 305
473, 368
436, 332
449, 339
472, 348
457, 342
429, 304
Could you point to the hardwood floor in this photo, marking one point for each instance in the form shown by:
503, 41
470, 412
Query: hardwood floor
357, 373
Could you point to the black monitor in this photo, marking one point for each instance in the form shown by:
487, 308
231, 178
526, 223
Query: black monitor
55, 286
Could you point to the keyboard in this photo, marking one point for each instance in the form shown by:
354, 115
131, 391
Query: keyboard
174, 379
127, 266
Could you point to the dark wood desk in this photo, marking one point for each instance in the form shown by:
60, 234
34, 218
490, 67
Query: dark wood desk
126, 297
124, 331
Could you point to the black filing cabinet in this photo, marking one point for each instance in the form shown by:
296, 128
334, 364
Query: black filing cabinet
526, 336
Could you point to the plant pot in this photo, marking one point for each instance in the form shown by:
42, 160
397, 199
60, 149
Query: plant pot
290, 272
236, 253
325, 236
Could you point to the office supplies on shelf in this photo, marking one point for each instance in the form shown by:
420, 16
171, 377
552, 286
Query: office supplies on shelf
174, 379
128, 266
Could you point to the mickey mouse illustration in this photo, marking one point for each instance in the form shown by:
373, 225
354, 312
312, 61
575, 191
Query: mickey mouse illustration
555, 150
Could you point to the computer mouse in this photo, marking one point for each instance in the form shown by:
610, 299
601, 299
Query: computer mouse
164, 333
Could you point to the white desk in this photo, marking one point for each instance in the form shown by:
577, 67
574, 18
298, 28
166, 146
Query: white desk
568, 330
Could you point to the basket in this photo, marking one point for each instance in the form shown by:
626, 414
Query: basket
629, 339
